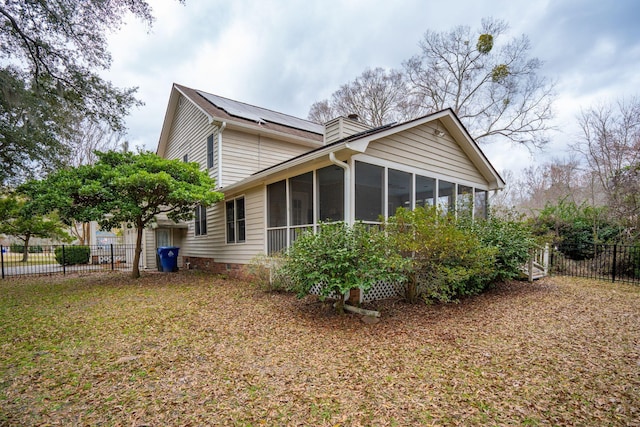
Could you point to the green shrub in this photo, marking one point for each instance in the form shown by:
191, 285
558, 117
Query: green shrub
575, 229
32, 249
339, 258
510, 236
446, 261
72, 255
16, 248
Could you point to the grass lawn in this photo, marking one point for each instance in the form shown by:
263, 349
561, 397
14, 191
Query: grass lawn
194, 349
13, 259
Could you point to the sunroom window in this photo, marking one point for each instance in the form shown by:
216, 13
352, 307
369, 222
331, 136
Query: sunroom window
480, 204
293, 206
301, 199
399, 190
425, 191
464, 201
446, 195
330, 193
369, 191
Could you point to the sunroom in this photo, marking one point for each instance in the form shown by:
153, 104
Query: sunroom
363, 189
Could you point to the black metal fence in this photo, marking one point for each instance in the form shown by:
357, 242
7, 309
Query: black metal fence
64, 259
618, 263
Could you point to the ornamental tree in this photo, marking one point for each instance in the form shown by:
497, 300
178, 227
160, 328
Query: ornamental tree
125, 188
17, 219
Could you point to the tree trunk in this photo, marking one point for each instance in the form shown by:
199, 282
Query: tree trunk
25, 249
340, 305
412, 289
135, 272
86, 233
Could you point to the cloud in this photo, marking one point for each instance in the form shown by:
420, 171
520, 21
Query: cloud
287, 54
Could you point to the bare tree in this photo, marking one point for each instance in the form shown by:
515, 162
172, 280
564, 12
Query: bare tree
610, 145
377, 96
89, 136
611, 139
508, 197
553, 181
321, 112
495, 90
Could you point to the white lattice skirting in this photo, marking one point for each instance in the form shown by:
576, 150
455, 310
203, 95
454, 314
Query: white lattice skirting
379, 290
382, 290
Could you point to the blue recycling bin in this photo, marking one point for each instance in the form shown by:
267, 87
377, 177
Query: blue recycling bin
168, 258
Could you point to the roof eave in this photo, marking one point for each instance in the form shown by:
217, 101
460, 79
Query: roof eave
231, 124
360, 145
172, 106
472, 149
263, 175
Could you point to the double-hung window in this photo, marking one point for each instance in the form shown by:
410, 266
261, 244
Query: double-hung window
200, 222
235, 219
210, 151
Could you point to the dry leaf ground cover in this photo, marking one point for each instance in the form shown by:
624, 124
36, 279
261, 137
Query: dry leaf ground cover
194, 349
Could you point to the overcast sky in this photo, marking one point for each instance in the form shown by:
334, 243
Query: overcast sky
286, 54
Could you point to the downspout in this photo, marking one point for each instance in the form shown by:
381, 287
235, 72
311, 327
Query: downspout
347, 186
347, 210
220, 130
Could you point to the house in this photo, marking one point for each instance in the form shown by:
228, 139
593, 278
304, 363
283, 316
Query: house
281, 174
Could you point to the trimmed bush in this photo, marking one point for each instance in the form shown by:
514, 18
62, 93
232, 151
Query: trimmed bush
339, 258
510, 236
265, 272
446, 261
72, 255
18, 248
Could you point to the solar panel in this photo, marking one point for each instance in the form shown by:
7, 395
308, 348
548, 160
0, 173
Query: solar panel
261, 115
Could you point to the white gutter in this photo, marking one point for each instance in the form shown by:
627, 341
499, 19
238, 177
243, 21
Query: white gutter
347, 185
220, 130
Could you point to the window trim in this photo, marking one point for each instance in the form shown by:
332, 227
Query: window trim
235, 221
199, 220
281, 237
210, 151
438, 177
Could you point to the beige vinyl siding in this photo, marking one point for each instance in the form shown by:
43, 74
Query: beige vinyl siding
420, 148
350, 127
214, 244
332, 132
202, 246
244, 154
341, 127
242, 253
188, 135
177, 239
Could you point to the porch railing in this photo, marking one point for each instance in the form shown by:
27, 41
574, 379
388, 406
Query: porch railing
280, 238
